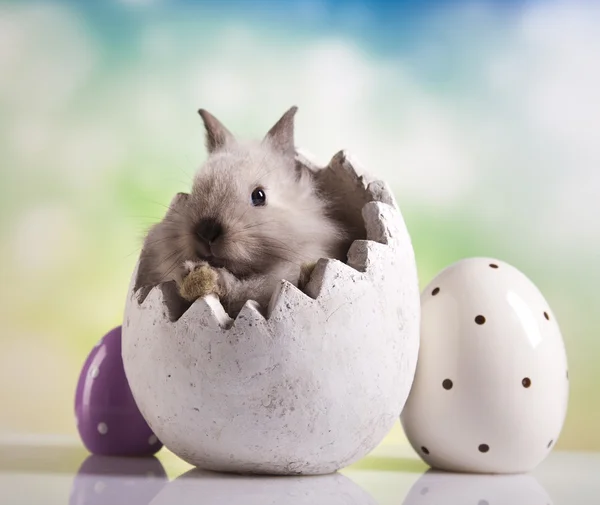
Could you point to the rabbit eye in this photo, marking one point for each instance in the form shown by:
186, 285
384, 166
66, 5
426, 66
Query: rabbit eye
258, 197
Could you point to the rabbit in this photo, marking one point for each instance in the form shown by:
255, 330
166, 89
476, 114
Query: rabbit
253, 217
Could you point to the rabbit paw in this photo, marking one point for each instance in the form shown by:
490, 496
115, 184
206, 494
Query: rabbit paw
201, 280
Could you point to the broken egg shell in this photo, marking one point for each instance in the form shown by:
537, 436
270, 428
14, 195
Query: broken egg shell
108, 419
309, 388
491, 389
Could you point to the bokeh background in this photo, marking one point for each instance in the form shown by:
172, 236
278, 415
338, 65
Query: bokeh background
483, 116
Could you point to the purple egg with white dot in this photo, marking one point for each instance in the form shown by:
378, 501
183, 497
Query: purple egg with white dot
108, 419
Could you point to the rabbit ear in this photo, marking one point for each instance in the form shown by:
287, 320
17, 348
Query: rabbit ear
281, 135
216, 134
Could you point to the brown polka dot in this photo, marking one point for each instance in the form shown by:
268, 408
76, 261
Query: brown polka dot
526, 382
425, 450
547, 316
484, 448
480, 319
447, 384
493, 265
435, 291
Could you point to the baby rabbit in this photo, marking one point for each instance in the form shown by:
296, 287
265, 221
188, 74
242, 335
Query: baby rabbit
254, 216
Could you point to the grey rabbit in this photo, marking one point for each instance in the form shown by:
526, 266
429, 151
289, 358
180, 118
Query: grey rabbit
254, 216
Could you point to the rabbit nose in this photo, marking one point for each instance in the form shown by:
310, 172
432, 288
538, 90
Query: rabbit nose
209, 230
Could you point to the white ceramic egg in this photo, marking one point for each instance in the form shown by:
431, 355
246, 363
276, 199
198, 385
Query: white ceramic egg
491, 388
310, 386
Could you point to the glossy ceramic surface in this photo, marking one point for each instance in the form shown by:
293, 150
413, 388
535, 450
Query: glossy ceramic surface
108, 419
491, 387
52, 474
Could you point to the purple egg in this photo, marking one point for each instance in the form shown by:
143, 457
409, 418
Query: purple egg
108, 419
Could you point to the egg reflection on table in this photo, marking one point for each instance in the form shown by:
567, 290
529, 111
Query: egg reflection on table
199, 486
491, 387
441, 488
117, 481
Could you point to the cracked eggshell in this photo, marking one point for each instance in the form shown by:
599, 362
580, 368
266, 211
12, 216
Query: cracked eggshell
491, 389
308, 388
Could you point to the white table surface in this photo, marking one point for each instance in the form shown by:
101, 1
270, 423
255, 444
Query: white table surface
55, 471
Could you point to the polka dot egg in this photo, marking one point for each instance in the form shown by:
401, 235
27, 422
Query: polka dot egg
491, 388
107, 417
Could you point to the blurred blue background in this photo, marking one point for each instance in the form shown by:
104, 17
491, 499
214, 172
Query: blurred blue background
483, 116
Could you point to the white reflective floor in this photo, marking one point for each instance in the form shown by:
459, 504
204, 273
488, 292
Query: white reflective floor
52, 473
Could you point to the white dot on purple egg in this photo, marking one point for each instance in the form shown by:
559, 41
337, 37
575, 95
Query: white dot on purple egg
152, 440
94, 371
102, 428
99, 487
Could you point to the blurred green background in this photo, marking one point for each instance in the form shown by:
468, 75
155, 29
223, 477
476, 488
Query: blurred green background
483, 116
